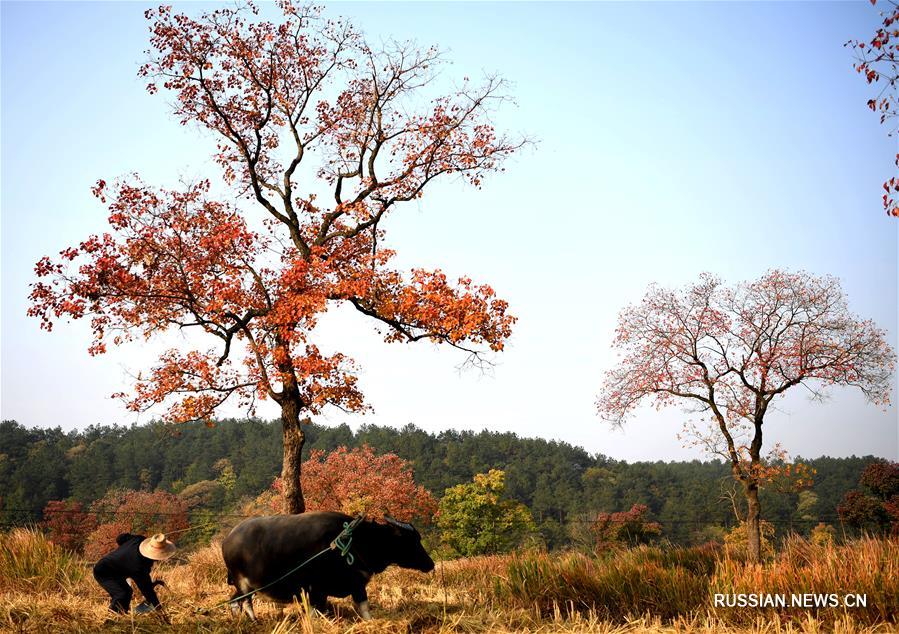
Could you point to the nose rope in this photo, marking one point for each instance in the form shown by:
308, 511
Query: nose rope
344, 547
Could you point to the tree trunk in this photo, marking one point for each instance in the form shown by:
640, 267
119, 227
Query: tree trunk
753, 532
293, 455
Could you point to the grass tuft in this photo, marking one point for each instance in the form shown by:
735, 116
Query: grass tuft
207, 566
618, 586
29, 562
865, 566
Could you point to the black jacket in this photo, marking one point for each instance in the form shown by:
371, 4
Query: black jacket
127, 562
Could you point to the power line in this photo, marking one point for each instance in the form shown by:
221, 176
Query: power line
567, 520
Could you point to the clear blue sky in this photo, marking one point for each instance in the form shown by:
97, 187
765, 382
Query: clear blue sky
675, 138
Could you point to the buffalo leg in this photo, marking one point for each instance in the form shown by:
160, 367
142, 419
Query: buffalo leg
243, 587
360, 600
248, 608
235, 605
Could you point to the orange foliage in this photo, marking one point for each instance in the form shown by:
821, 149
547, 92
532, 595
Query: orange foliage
68, 523
137, 512
624, 527
179, 259
102, 540
878, 61
356, 481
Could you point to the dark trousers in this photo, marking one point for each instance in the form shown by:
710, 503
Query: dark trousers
119, 591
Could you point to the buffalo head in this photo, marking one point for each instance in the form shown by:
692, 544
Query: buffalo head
409, 552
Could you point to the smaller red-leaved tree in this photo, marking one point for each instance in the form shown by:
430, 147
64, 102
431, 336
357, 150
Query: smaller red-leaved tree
137, 512
624, 527
359, 481
68, 523
730, 352
877, 509
878, 60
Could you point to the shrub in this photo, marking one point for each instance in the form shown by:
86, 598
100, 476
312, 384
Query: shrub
475, 519
206, 525
737, 539
626, 527
863, 512
29, 562
882, 478
711, 534
823, 534
136, 512
205, 493
68, 524
878, 510
356, 481
103, 539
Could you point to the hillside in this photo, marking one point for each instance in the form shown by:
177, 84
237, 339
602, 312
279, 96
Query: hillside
562, 484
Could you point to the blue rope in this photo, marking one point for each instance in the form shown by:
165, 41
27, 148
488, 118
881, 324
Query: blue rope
344, 544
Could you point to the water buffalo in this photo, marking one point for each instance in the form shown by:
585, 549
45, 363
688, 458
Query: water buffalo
260, 550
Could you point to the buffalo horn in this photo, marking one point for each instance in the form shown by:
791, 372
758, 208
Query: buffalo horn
398, 523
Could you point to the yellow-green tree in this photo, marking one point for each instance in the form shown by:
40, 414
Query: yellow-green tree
475, 518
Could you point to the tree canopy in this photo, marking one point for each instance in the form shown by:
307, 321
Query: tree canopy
729, 353
300, 106
877, 60
476, 518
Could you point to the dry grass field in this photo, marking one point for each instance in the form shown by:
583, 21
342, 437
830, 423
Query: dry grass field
42, 589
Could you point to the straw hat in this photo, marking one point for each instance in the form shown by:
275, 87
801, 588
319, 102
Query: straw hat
157, 547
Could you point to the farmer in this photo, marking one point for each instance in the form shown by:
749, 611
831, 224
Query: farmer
133, 559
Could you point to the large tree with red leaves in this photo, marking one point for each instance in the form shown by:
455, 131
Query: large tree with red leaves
308, 96
731, 352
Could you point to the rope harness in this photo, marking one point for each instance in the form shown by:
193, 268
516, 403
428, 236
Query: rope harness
340, 543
